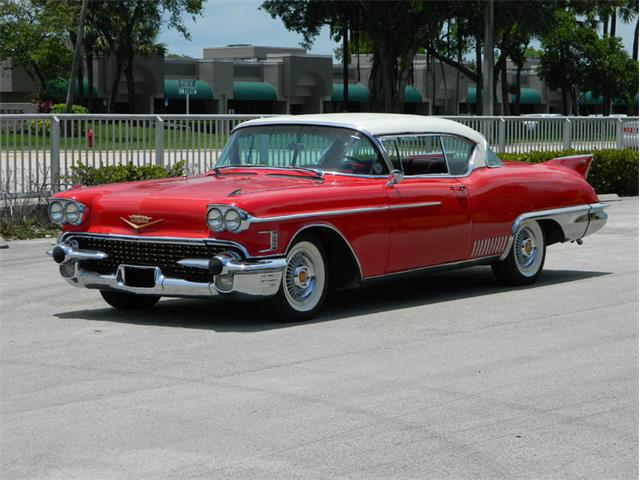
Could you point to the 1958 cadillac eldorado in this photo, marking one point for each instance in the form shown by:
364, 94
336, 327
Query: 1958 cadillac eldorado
300, 205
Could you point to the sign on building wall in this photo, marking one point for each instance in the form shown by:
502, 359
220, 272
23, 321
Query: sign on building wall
17, 108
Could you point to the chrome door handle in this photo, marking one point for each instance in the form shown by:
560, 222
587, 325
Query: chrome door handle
458, 187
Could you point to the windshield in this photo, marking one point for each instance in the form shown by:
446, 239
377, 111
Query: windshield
320, 148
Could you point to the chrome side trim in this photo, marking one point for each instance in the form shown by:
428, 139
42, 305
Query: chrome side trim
318, 213
574, 221
344, 211
174, 240
415, 205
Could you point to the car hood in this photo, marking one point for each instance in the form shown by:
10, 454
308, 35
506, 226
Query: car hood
180, 203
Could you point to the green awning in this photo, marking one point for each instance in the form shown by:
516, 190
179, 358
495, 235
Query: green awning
172, 91
587, 98
528, 96
59, 86
254, 91
357, 92
411, 94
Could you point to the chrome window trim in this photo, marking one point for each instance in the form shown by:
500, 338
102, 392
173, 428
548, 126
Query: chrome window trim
173, 240
372, 138
471, 163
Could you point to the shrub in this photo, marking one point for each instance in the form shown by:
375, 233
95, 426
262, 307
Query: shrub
87, 175
612, 171
39, 125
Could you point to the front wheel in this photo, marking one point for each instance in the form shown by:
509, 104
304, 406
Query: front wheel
304, 281
129, 301
526, 256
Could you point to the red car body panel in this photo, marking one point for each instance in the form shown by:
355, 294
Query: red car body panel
385, 238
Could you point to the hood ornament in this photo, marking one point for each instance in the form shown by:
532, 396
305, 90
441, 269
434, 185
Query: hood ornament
140, 221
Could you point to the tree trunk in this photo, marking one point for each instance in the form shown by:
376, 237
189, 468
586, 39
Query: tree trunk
614, 18
565, 100
345, 66
505, 86
79, 78
478, 75
635, 42
131, 86
446, 90
91, 100
516, 103
605, 26
574, 101
115, 85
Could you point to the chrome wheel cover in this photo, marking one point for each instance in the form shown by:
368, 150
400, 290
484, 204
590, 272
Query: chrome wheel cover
528, 247
304, 277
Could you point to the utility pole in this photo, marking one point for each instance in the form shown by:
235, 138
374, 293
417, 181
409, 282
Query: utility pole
487, 60
76, 56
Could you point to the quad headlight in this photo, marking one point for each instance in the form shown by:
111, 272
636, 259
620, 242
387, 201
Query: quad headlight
215, 220
224, 217
232, 220
63, 211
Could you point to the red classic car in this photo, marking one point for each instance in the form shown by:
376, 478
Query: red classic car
300, 205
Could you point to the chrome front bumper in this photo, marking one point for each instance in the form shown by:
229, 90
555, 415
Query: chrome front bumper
256, 278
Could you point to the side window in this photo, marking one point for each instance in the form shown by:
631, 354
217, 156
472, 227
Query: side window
361, 157
492, 160
457, 152
390, 146
420, 155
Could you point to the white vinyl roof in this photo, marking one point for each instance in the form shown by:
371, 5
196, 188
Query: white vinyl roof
377, 123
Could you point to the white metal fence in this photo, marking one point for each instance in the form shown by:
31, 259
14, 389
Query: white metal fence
38, 151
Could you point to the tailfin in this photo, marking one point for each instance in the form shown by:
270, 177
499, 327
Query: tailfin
578, 163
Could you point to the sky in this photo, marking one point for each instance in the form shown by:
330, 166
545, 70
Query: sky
227, 22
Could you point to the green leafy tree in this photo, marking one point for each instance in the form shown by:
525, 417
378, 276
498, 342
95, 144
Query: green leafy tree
562, 62
395, 30
129, 28
608, 71
32, 37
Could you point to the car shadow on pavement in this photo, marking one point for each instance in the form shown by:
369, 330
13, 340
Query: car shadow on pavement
388, 295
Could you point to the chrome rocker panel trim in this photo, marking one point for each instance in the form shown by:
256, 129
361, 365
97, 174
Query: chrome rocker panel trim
576, 222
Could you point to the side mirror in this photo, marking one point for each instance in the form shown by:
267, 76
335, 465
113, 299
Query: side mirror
395, 177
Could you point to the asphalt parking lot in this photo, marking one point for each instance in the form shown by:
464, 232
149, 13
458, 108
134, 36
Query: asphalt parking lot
439, 376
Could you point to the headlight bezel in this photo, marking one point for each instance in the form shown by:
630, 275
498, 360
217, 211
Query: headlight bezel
64, 204
243, 218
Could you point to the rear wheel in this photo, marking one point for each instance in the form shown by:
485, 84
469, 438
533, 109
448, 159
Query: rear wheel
129, 301
526, 256
304, 281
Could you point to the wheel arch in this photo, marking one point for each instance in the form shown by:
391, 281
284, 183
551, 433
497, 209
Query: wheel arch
343, 265
553, 232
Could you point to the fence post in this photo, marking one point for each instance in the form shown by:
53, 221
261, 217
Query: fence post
159, 126
619, 133
502, 133
55, 154
566, 134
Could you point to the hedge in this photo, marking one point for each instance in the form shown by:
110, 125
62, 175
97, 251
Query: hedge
87, 175
612, 171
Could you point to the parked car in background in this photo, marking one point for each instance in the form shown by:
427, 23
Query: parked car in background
300, 205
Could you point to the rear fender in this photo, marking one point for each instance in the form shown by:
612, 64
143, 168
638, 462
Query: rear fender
576, 163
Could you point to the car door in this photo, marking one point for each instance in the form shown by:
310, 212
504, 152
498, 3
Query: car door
428, 210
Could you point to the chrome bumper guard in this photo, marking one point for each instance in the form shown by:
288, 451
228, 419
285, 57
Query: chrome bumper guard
229, 275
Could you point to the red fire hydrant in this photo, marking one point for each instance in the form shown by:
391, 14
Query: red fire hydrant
90, 137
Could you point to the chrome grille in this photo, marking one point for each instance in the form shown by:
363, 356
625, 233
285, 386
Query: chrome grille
156, 254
